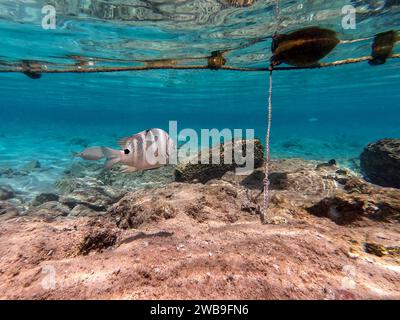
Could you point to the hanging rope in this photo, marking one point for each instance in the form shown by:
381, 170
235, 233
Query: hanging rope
264, 218
266, 184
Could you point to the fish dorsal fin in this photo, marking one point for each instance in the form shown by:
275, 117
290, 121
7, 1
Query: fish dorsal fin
123, 141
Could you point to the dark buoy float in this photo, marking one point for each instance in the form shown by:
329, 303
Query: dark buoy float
31, 69
304, 47
216, 60
382, 47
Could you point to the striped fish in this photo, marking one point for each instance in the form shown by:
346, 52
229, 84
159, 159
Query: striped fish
145, 150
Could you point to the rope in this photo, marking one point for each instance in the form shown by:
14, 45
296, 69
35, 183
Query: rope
355, 40
267, 154
191, 67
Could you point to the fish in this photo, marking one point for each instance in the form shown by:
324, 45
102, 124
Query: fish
149, 149
90, 153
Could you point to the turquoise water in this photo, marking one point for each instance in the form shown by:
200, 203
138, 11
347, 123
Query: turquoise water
317, 114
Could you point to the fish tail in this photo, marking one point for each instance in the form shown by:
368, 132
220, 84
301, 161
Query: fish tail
74, 154
113, 156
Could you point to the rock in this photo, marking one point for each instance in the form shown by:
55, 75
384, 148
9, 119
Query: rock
8, 211
250, 207
34, 164
6, 193
68, 184
342, 208
98, 240
380, 162
95, 198
50, 210
84, 211
10, 173
197, 172
45, 197
277, 220
89, 192
132, 181
381, 250
81, 170
217, 201
5, 171
330, 163
183, 230
134, 210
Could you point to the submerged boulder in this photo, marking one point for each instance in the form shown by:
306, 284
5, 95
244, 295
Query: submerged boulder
95, 198
8, 210
43, 198
81, 210
32, 165
11, 173
195, 171
141, 179
88, 192
380, 162
345, 208
6, 193
49, 210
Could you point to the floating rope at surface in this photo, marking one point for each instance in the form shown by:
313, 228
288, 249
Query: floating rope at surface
190, 67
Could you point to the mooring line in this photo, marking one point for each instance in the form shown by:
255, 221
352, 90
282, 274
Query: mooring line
266, 184
190, 67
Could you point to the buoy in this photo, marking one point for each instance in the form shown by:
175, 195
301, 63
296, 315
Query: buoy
31, 68
216, 60
304, 47
382, 47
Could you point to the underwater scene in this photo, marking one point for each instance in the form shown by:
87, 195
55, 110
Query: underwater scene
309, 88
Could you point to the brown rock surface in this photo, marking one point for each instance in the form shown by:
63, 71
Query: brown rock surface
205, 241
194, 171
380, 161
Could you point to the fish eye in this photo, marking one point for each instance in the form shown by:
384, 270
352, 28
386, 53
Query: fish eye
126, 151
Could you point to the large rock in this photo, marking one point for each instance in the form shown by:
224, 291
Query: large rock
380, 162
44, 197
219, 201
89, 192
197, 172
346, 208
82, 169
135, 180
6, 193
10, 173
95, 198
7, 210
69, 184
50, 210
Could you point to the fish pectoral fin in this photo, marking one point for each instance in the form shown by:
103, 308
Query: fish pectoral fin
128, 169
111, 162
